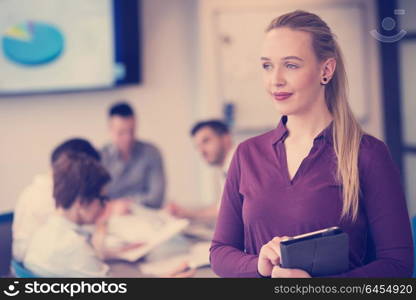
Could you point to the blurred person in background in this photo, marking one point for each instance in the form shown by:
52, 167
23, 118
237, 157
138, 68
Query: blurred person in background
136, 167
60, 247
35, 204
213, 140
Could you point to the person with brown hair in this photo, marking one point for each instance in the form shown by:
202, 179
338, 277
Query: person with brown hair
35, 203
60, 247
317, 169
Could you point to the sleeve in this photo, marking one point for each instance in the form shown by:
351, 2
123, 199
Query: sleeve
387, 216
227, 256
33, 207
155, 178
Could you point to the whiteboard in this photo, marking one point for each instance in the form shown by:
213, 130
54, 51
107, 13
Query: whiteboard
239, 36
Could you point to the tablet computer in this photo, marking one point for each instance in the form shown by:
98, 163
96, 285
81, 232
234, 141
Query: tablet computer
312, 235
320, 253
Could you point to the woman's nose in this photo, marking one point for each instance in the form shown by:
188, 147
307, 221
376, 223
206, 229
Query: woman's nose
278, 78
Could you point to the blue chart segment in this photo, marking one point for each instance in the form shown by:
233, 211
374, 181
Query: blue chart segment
32, 43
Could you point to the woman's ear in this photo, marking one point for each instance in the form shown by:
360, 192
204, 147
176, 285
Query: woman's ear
327, 70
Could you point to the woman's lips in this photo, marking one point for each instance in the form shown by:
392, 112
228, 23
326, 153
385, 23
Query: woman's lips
281, 96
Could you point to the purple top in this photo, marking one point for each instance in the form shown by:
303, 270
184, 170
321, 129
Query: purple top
260, 202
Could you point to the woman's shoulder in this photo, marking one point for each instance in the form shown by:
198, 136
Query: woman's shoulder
370, 143
373, 149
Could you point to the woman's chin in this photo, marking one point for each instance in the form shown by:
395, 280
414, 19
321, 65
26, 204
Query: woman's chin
282, 110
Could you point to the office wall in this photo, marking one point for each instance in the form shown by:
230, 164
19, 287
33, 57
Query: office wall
31, 126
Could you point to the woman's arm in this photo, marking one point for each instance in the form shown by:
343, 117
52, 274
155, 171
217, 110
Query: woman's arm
206, 214
98, 240
388, 220
227, 255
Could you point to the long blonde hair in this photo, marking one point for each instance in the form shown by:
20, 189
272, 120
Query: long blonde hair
347, 132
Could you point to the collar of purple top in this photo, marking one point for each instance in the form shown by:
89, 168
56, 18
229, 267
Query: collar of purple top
280, 133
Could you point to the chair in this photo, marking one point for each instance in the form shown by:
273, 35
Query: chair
414, 244
5, 243
21, 271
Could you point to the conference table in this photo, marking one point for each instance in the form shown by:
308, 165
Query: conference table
176, 246
128, 270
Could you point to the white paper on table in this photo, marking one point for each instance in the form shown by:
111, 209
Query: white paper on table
150, 227
198, 256
163, 267
200, 231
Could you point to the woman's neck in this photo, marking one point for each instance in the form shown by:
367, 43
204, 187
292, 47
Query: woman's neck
305, 127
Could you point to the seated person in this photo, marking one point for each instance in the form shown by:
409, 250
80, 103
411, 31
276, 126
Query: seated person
135, 166
35, 204
213, 140
60, 247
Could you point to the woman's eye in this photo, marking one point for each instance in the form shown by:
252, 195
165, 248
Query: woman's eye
291, 66
267, 66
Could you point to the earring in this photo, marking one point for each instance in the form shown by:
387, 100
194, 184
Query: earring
324, 80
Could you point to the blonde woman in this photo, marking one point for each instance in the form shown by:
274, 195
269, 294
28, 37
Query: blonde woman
317, 169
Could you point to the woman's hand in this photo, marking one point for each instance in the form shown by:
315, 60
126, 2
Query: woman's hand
120, 206
279, 272
269, 256
183, 270
178, 211
98, 238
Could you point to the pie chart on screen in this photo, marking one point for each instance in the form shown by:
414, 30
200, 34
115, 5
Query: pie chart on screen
32, 43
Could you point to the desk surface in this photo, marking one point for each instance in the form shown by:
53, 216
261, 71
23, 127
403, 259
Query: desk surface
178, 245
126, 270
